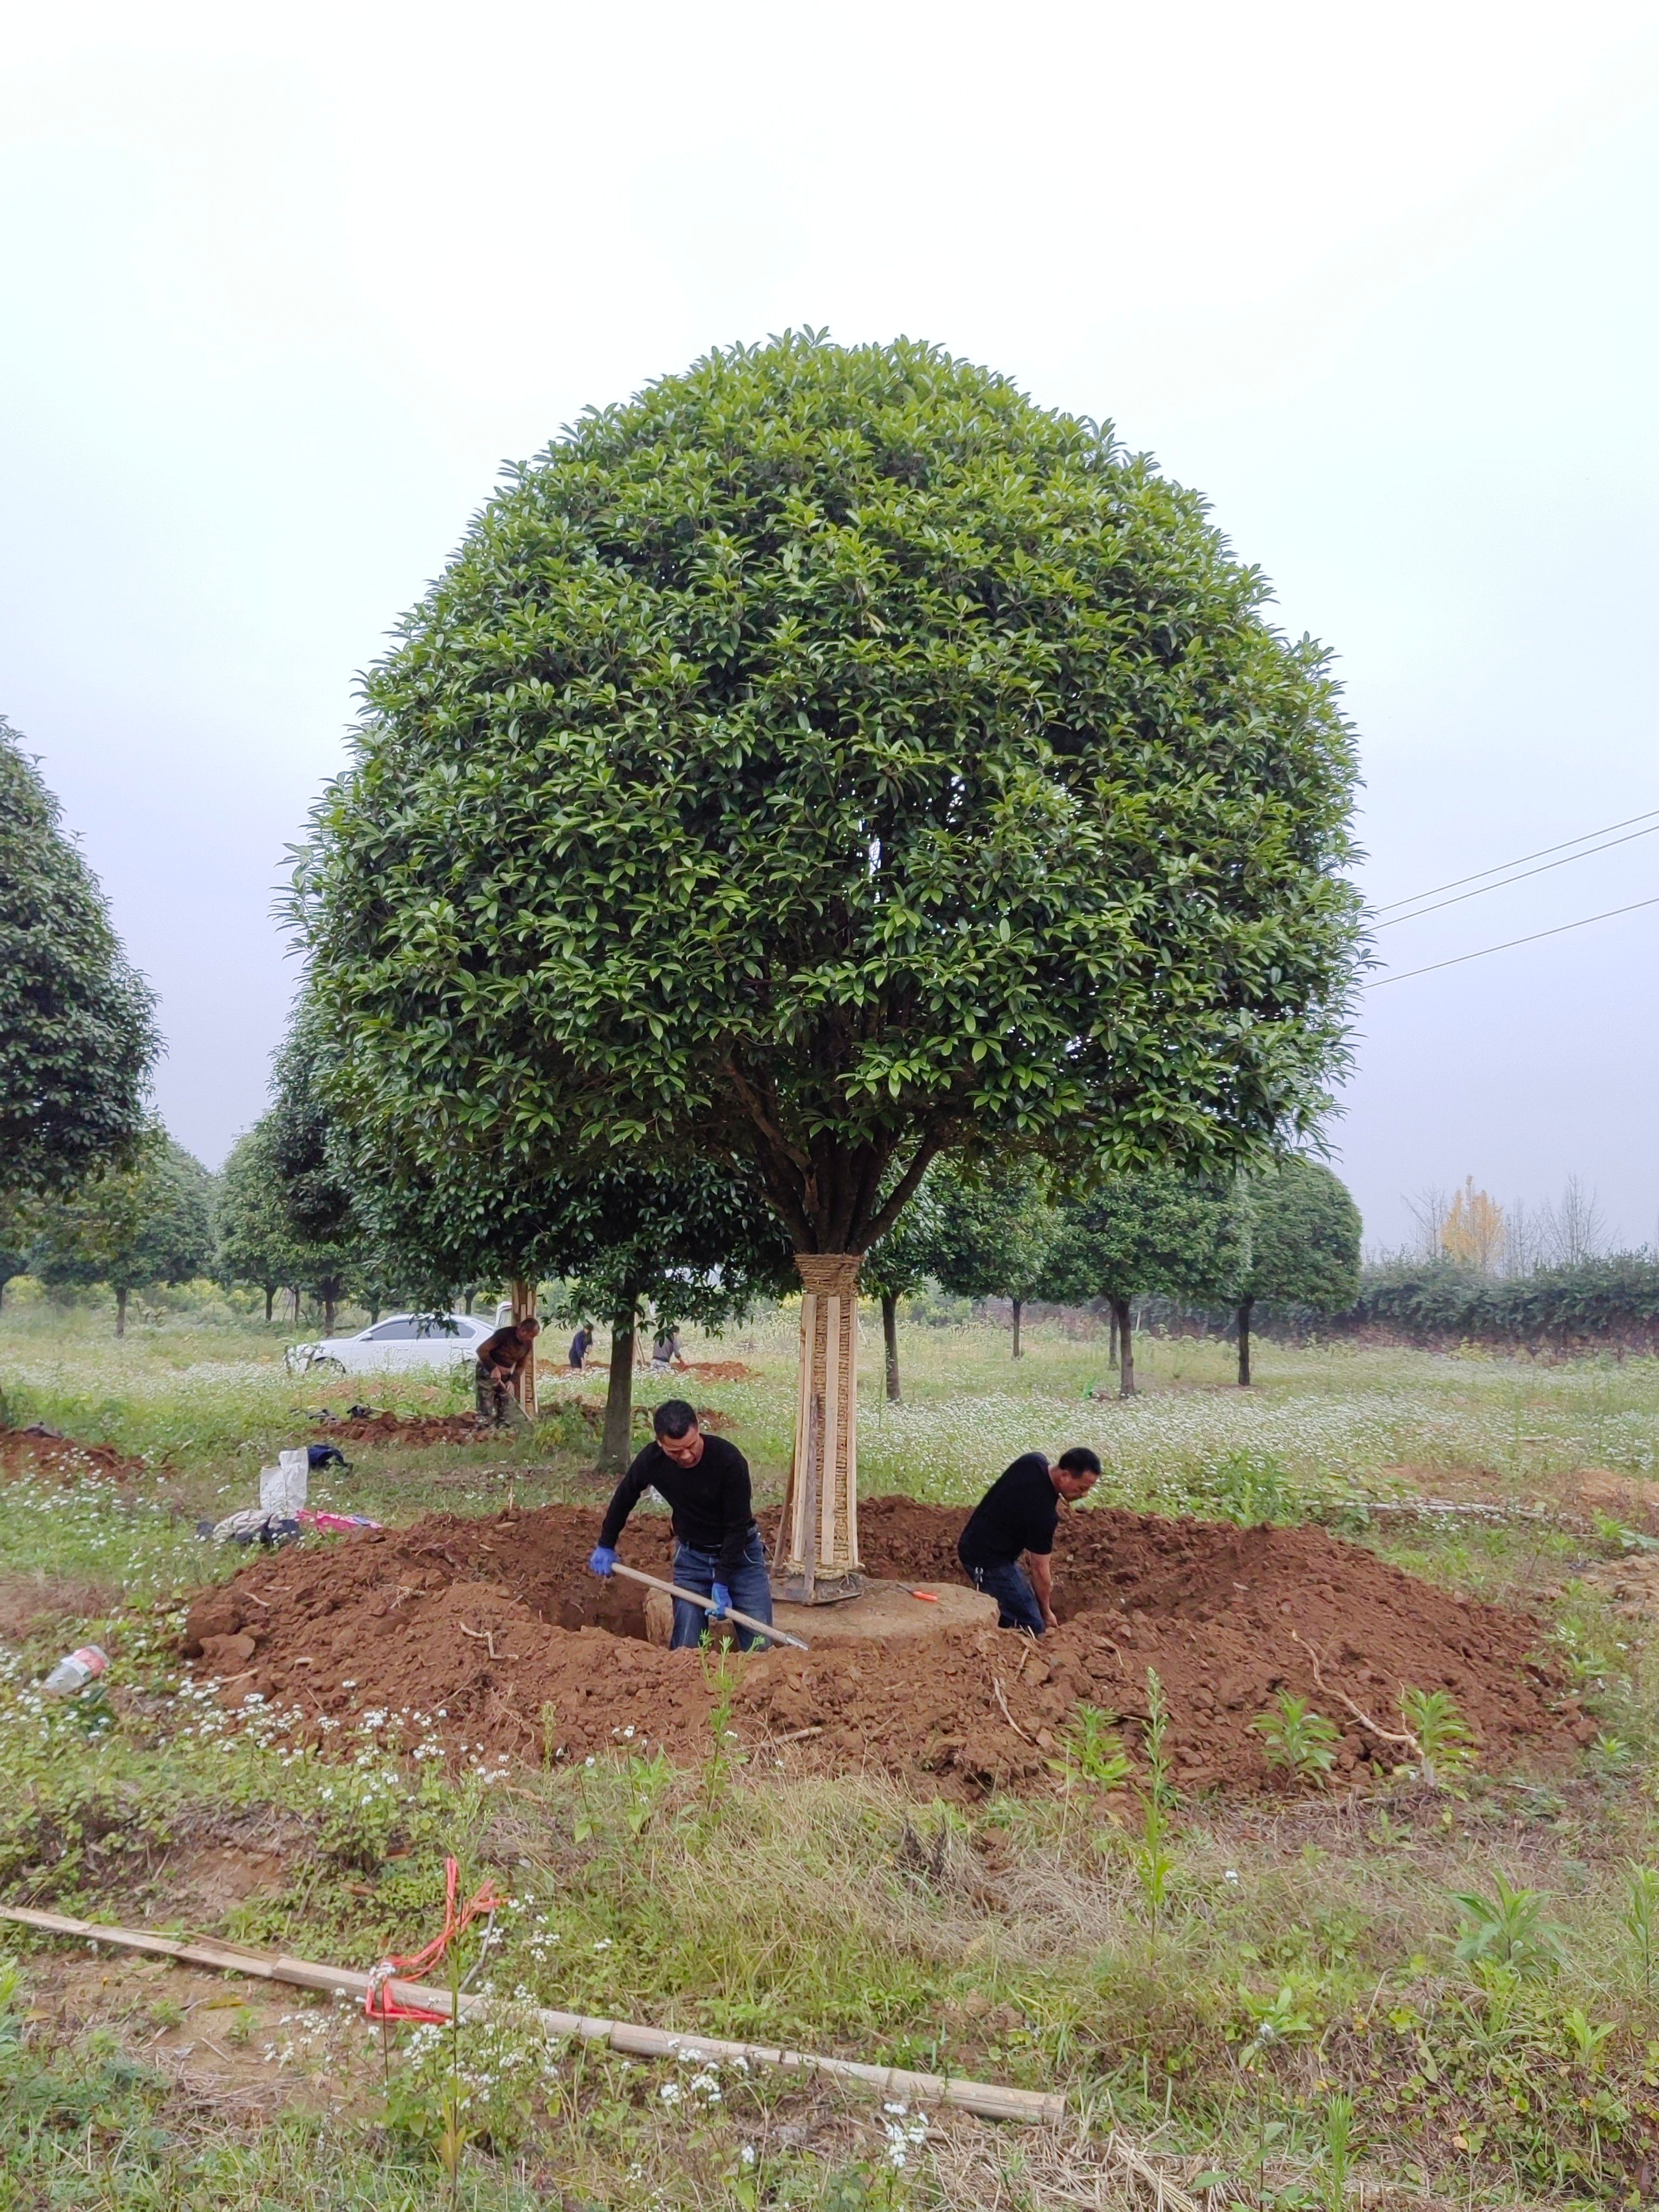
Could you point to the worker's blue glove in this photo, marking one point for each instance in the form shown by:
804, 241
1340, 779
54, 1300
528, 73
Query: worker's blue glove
601, 1560
722, 1598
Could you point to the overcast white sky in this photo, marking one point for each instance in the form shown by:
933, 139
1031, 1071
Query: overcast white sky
282, 287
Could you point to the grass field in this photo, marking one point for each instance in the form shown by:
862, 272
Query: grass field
1267, 1995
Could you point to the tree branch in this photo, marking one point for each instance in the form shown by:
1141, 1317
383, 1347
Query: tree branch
756, 1109
903, 1190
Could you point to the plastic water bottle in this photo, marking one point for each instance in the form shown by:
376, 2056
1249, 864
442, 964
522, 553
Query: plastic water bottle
73, 1672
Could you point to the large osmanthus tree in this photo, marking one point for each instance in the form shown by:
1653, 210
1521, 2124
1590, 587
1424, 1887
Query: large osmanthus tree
77, 1030
825, 760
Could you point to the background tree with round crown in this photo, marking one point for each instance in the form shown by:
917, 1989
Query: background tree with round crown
828, 759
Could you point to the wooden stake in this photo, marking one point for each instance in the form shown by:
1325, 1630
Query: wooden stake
993, 2100
524, 1385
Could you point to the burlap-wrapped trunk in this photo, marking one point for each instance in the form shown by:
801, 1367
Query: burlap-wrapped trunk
524, 1308
817, 1547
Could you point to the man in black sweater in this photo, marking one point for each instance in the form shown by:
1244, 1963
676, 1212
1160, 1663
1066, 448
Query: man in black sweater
1019, 1513
705, 1481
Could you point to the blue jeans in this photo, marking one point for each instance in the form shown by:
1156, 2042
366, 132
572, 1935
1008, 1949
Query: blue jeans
1010, 1587
751, 1589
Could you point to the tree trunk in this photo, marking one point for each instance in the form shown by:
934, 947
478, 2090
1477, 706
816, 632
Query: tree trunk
616, 1441
328, 1313
121, 1311
1244, 1306
1019, 1304
890, 1345
1126, 1348
293, 1293
524, 1308
373, 1311
466, 1306
271, 1299
816, 1558
1111, 1340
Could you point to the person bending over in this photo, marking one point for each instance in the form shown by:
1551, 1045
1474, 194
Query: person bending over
501, 1357
1018, 1514
705, 1481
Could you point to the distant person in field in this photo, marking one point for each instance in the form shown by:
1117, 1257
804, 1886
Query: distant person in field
705, 1481
580, 1345
501, 1358
1018, 1516
665, 1351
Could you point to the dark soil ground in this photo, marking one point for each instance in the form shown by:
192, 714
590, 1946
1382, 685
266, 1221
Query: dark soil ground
497, 1622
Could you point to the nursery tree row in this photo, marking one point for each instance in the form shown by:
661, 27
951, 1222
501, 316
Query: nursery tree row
1285, 1235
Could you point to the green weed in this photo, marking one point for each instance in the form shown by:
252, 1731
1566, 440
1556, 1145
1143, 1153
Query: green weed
1444, 1738
1295, 1736
1508, 1929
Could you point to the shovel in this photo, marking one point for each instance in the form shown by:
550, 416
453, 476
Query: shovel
743, 1620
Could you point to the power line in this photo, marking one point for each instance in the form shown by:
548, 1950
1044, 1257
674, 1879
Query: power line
1560, 930
1520, 860
1652, 829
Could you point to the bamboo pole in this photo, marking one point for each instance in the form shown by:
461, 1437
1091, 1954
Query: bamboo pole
743, 1620
993, 2100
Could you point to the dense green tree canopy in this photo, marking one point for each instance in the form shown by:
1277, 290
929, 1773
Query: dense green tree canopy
78, 1032
1148, 1234
823, 758
1145, 1235
1298, 1241
149, 1222
253, 1233
993, 1232
1302, 1238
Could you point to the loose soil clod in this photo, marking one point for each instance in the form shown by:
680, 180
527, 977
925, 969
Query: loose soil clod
496, 1621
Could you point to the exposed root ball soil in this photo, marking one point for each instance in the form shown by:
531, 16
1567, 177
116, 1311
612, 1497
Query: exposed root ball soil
43, 1451
497, 1622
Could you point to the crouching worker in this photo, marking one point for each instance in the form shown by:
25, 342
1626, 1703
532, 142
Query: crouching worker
1018, 1514
705, 1482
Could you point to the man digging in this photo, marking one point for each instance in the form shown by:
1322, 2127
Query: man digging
501, 1358
705, 1482
1018, 1514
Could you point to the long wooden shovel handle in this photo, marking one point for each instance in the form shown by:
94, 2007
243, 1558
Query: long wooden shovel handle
691, 1597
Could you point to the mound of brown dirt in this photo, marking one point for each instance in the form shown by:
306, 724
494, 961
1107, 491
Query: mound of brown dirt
405, 1429
721, 1371
497, 1622
43, 1451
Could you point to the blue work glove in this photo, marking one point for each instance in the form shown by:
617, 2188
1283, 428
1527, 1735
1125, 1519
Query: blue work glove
602, 1559
722, 1598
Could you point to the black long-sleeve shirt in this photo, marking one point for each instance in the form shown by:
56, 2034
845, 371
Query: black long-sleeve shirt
1018, 1513
710, 1502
